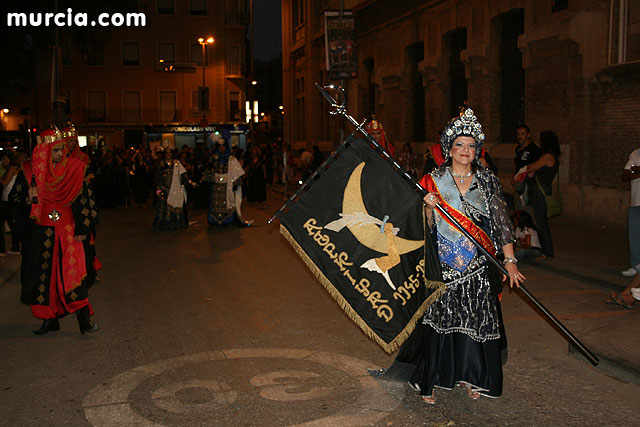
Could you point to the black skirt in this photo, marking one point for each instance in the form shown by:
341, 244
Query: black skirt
448, 359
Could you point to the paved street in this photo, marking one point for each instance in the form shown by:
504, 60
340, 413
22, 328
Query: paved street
227, 327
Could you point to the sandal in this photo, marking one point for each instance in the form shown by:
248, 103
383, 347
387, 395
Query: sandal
473, 394
429, 400
620, 299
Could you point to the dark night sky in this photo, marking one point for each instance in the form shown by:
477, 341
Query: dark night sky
267, 31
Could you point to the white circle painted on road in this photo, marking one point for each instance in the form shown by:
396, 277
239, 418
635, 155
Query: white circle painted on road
113, 403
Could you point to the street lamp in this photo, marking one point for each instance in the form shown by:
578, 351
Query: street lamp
203, 93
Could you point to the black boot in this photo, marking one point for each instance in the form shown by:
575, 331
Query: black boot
85, 323
48, 325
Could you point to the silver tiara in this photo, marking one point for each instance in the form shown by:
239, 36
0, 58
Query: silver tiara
466, 124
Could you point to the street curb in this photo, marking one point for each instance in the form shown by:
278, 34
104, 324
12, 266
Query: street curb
618, 370
599, 283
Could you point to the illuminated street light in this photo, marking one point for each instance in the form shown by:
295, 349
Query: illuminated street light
254, 82
5, 110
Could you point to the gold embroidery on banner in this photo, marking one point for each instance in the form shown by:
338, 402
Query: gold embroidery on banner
41, 288
87, 222
85, 212
70, 249
389, 347
342, 261
48, 232
44, 266
40, 299
73, 296
43, 277
47, 244
45, 255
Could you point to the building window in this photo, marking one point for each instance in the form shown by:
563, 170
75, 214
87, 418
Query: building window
234, 66
195, 107
165, 7
131, 106
167, 52
94, 55
559, 5
236, 12
96, 106
300, 108
65, 53
130, 53
624, 32
168, 106
297, 17
195, 54
234, 106
197, 7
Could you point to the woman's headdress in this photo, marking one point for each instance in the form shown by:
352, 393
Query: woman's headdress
466, 124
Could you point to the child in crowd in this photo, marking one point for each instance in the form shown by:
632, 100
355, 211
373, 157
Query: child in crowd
527, 241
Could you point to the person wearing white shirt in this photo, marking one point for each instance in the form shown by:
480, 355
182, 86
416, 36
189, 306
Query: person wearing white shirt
631, 173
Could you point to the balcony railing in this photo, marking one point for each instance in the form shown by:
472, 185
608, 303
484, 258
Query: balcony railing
236, 18
142, 116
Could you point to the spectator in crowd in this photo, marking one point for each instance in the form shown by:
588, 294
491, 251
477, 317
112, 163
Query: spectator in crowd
7, 180
408, 160
526, 153
256, 176
631, 173
527, 242
540, 175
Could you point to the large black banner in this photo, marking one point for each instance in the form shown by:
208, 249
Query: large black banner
360, 229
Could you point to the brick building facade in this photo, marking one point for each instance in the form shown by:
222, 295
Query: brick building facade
124, 81
568, 66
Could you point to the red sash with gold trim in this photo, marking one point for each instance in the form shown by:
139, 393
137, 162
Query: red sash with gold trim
478, 233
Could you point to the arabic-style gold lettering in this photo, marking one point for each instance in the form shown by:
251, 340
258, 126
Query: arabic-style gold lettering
342, 262
311, 227
329, 250
374, 299
363, 287
385, 312
347, 274
397, 295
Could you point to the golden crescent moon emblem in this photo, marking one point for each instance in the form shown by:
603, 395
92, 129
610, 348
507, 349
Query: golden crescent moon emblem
369, 234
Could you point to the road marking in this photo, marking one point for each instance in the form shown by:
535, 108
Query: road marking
110, 403
574, 316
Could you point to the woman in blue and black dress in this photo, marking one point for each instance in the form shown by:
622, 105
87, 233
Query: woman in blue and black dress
461, 335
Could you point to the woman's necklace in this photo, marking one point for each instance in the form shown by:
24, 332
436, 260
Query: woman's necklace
461, 176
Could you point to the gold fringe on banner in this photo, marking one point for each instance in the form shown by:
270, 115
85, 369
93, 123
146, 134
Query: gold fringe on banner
353, 315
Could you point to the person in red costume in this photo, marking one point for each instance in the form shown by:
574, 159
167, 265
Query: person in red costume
55, 280
93, 264
375, 129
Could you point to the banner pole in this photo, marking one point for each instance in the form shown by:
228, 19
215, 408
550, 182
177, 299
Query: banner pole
341, 109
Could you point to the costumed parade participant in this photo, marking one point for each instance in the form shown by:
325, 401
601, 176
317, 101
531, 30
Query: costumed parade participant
225, 175
459, 340
93, 264
171, 179
54, 281
375, 129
